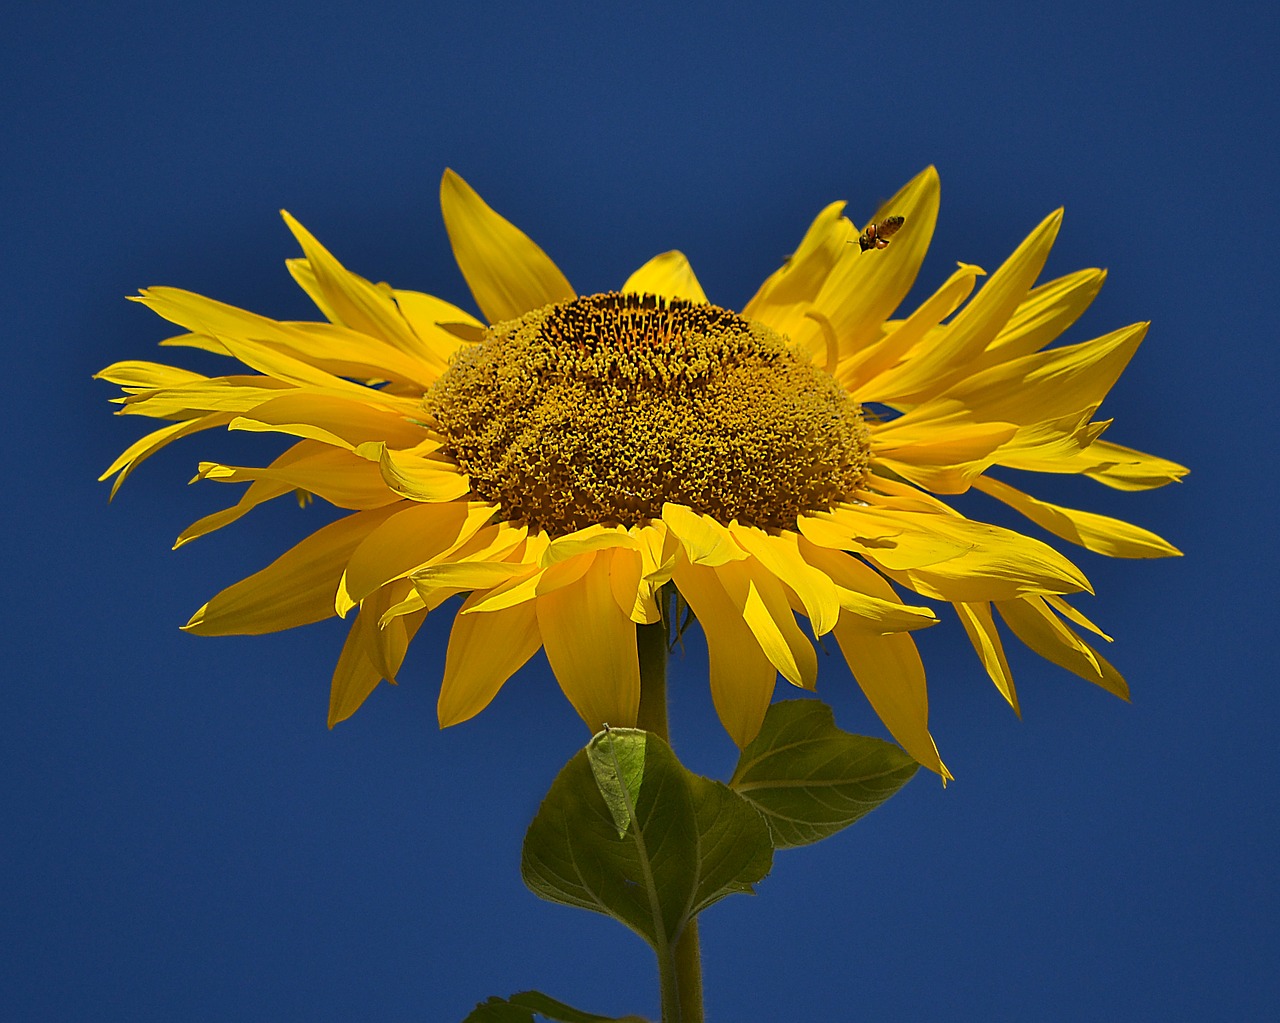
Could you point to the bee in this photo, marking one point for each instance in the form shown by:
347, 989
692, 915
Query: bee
877, 235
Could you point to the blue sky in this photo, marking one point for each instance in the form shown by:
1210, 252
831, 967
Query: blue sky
185, 840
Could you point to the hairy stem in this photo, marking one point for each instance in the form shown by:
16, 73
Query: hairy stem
680, 975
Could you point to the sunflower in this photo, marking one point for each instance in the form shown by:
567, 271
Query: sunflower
562, 460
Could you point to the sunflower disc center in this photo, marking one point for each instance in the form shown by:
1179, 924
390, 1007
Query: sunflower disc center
603, 408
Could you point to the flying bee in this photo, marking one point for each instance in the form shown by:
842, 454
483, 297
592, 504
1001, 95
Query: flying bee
877, 235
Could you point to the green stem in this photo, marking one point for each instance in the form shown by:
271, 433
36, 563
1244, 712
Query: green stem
679, 971
688, 959
652, 643
669, 985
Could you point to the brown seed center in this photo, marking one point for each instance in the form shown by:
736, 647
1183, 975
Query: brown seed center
602, 409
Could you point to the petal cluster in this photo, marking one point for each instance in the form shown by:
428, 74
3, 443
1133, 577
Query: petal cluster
967, 382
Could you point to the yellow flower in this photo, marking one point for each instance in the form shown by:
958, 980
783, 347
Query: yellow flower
566, 458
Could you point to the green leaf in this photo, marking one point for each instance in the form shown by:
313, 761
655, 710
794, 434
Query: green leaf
809, 779
687, 841
522, 1008
498, 1010
616, 756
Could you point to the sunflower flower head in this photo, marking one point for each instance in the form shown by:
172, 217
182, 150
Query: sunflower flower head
604, 408
563, 460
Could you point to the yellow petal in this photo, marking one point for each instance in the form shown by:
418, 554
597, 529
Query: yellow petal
1067, 611
198, 341
787, 294
742, 677
138, 373
524, 588
337, 349
656, 551
705, 541
981, 629
469, 332
860, 373
999, 565
943, 454
943, 479
1045, 446
657, 546
371, 653
411, 604
258, 492
1008, 288
1050, 394
1033, 622
626, 582
205, 316
668, 275
933, 434
484, 651
407, 540
762, 603
284, 367
143, 448
865, 288
332, 420
387, 643
425, 314
780, 556
1045, 313
189, 401
429, 480
591, 646
334, 474
938, 437
891, 675
1050, 384
951, 353
865, 596
1124, 468
296, 589
353, 301
592, 538
499, 541
895, 539
347, 352
506, 271
1100, 533
305, 277
488, 560
466, 575
354, 676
